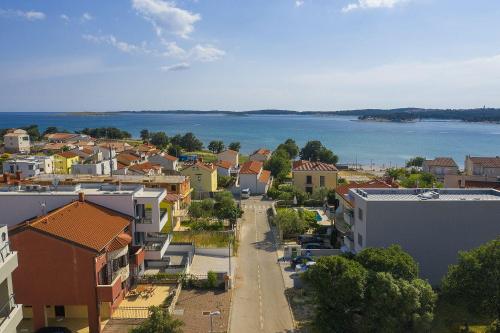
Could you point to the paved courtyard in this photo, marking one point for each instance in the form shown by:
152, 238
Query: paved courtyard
203, 263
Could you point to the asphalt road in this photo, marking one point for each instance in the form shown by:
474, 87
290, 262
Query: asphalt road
259, 302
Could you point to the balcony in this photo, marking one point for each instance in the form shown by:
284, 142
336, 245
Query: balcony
8, 261
109, 292
156, 245
11, 315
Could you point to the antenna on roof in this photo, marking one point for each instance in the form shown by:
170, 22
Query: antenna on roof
43, 207
55, 182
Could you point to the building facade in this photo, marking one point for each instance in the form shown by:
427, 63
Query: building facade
230, 156
203, 176
64, 161
440, 167
253, 176
310, 176
30, 166
260, 155
432, 225
482, 166
17, 141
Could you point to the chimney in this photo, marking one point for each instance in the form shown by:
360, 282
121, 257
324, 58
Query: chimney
18, 175
81, 197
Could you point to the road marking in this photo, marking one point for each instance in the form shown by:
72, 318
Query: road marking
261, 317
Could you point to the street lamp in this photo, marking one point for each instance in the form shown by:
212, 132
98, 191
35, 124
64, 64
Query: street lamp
211, 315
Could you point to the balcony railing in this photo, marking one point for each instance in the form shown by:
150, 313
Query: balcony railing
156, 241
5, 252
7, 308
148, 216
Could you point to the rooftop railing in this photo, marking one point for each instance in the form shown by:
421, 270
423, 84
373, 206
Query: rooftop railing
5, 251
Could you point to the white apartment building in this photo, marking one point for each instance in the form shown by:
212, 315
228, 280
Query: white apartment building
11, 313
20, 203
432, 225
30, 166
100, 168
17, 141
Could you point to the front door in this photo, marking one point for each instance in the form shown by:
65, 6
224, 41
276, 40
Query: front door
59, 311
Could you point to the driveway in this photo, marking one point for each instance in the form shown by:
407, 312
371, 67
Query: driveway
259, 302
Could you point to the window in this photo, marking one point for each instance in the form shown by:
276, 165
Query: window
173, 188
321, 181
360, 214
309, 179
360, 240
199, 178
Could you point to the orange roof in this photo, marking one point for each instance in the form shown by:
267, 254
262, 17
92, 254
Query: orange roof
487, 162
441, 162
251, 167
60, 136
128, 157
67, 154
145, 166
224, 164
201, 165
265, 176
169, 157
312, 166
84, 223
120, 242
172, 197
262, 151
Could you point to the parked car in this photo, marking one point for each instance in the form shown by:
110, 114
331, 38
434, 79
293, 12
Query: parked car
304, 239
245, 193
315, 246
300, 260
53, 329
304, 267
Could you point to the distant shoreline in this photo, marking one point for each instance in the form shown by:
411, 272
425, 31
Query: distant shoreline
402, 115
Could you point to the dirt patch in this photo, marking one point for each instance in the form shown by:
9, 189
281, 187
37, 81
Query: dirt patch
193, 302
302, 308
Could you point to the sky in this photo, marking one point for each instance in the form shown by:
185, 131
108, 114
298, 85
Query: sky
109, 55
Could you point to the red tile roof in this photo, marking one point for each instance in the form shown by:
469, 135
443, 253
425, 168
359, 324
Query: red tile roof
120, 242
251, 167
169, 157
487, 162
84, 223
201, 165
67, 154
145, 166
442, 162
312, 166
232, 152
128, 157
265, 176
60, 136
224, 164
262, 151
172, 197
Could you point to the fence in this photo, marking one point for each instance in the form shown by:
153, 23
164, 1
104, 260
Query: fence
7, 308
131, 312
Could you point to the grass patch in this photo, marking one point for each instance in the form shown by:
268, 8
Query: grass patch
205, 154
206, 239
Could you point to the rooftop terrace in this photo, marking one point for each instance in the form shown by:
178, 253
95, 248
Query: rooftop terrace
421, 194
137, 179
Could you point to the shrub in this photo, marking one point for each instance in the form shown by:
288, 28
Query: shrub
211, 279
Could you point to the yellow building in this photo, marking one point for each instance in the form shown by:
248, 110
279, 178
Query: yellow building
309, 176
203, 176
64, 161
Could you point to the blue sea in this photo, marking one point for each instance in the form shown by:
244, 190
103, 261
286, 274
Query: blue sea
381, 143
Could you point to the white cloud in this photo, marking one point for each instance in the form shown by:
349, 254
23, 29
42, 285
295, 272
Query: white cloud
368, 4
177, 67
30, 15
299, 3
120, 45
86, 17
166, 17
206, 53
174, 50
64, 17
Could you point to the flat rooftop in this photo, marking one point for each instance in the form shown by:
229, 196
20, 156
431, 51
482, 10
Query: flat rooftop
421, 194
137, 179
88, 189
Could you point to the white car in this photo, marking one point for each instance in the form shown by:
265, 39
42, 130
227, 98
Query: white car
245, 193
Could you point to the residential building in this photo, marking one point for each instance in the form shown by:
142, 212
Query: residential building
432, 225
79, 254
253, 176
440, 166
203, 176
56, 147
118, 146
29, 166
230, 156
167, 162
63, 162
224, 168
16, 141
11, 313
129, 159
174, 184
146, 169
98, 168
261, 155
471, 181
482, 166
309, 176
344, 206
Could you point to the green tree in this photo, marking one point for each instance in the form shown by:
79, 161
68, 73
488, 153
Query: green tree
225, 207
279, 164
159, 139
145, 135
174, 150
473, 284
176, 140
216, 146
392, 260
289, 222
50, 130
338, 286
190, 142
201, 209
315, 151
236, 146
159, 321
33, 132
415, 161
290, 147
